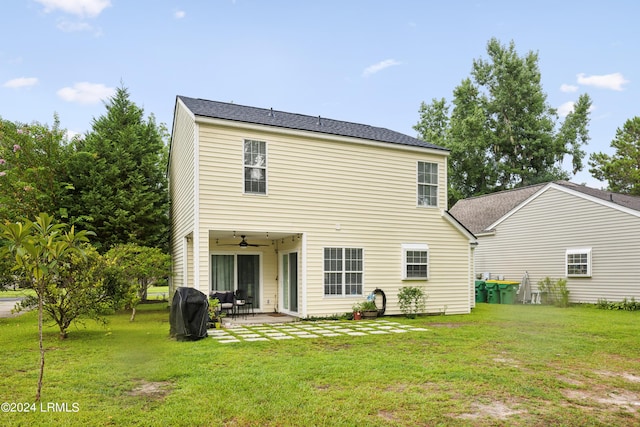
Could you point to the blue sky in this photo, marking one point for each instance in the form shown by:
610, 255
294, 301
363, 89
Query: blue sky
363, 61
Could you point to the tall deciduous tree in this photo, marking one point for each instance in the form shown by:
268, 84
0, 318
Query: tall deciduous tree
502, 133
33, 176
622, 169
118, 176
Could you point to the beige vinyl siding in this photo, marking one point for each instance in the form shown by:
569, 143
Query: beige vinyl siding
536, 237
338, 194
182, 179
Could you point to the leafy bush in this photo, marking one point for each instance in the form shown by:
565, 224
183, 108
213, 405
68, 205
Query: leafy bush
624, 305
554, 293
412, 301
368, 306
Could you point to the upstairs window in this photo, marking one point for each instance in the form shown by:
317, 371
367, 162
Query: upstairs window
255, 167
578, 262
427, 184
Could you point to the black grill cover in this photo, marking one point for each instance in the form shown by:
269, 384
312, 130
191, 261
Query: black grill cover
189, 314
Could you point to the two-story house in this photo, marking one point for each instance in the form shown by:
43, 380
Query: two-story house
310, 215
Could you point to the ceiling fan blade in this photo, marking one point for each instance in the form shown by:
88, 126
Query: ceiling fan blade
243, 243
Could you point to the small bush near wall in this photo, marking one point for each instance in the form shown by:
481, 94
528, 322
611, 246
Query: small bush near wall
412, 301
625, 304
554, 292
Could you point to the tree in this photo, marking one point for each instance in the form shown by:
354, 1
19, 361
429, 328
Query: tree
622, 169
136, 269
38, 249
33, 175
77, 291
118, 175
501, 131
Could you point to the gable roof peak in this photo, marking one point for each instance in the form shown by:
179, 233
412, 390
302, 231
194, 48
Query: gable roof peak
480, 212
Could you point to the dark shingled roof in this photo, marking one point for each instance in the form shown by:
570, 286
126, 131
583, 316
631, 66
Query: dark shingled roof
478, 213
281, 119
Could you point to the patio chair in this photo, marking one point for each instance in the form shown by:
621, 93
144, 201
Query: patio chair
240, 303
227, 300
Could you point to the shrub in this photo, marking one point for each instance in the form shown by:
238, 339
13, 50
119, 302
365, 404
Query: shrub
412, 301
554, 293
625, 304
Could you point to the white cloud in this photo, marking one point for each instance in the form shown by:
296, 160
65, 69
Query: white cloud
86, 93
568, 88
73, 134
607, 81
566, 108
180, 14
81, 8
372, 69
69, 27
21, 82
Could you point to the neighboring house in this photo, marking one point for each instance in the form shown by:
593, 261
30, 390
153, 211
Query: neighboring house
559, 230
329, 211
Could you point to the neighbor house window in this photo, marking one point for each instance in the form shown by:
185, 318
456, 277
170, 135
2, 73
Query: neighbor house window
427, 184
415, 261
343, 270
578, 262
255, 167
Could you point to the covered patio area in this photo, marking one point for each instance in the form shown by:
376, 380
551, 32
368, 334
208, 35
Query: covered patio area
257, 319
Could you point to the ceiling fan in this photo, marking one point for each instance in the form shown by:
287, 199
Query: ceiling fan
243, 243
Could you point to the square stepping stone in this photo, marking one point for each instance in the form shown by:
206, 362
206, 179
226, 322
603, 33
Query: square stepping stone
284, 337
256, 339
249, 336
328, 333
275, 334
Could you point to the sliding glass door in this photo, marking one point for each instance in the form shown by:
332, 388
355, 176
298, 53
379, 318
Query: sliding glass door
289, 286
230, 272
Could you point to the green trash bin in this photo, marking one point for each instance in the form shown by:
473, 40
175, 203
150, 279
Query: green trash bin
493, 292
481, 291
508, 292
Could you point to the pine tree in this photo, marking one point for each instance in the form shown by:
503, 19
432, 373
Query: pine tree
120, 190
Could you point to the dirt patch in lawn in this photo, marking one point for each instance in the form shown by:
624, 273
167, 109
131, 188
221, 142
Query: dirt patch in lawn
606, 395
625, 375
151, 390
497, 410
615, 399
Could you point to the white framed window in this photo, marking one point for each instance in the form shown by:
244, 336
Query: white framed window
255, 167
415, 261
578, 262
343, 271
427, 184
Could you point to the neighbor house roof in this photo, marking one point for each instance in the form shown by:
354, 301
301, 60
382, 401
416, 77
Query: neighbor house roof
281, 119
479, 213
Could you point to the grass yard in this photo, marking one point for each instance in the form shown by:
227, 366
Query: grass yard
501, 365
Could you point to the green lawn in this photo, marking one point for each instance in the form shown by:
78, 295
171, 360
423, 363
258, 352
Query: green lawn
501, 365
